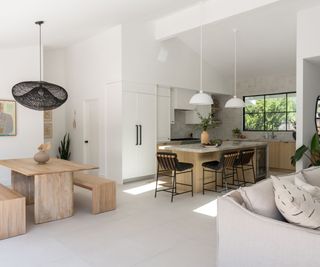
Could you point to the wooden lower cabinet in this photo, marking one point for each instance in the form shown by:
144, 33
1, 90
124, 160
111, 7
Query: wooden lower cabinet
274, 154
280, 154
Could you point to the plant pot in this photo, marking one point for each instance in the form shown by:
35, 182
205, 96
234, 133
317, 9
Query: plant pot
236, 135
204, 137
41, 157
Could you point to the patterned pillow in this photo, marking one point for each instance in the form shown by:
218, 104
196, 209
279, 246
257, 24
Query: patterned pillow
295, 204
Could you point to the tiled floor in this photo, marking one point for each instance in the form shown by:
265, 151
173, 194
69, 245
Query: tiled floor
143, 231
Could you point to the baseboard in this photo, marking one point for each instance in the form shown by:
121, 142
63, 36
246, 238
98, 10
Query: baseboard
141, 178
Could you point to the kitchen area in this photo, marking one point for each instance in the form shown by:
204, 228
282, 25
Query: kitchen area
179, 131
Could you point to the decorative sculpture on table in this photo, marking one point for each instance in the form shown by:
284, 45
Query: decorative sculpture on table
42, 156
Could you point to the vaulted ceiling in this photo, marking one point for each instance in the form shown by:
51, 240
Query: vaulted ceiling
68, 21
266, 40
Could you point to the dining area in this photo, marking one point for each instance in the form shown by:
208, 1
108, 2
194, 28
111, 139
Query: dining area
49, 188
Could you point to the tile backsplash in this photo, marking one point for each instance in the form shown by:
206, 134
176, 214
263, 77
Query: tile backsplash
182, 130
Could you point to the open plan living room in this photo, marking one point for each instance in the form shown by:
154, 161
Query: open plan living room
150, 133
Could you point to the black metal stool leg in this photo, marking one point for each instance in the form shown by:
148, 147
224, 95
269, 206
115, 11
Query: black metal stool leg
192, 182
155, 192
203, 175
243, 175
216, 180
173, 186
254, 173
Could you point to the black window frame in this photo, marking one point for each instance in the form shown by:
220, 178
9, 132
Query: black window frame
264, 112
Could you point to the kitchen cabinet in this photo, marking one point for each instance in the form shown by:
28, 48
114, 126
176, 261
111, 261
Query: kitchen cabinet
192, 115
138, 134
181, 98
287, 150
163, 114
274, 154
280, 154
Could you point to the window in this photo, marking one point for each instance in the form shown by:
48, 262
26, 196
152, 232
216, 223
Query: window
270, 112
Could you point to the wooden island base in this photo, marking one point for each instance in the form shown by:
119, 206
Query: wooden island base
197, 154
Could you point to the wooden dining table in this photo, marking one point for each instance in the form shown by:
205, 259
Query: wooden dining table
48, 186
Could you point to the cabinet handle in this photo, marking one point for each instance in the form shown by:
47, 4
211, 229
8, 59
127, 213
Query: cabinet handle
137, 134
140, 126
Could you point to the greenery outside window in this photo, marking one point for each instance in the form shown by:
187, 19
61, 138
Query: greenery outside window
270, 112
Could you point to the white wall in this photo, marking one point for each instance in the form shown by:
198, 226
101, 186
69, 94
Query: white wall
181, 69
17, 65
232, 118
308, 47
91, 65
55, 72
124, 57
204, 13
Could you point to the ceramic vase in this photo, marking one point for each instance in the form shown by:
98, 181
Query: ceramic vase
204, 138
41, 157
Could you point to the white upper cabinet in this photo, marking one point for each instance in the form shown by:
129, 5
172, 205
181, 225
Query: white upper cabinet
163, 114
181, 98
192, 116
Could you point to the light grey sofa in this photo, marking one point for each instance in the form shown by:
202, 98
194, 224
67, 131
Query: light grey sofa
246, 239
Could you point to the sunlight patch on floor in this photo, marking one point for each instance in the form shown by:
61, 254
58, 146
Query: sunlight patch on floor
143, 188
209, 209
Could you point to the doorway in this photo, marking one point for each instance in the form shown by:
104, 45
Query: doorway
91, 129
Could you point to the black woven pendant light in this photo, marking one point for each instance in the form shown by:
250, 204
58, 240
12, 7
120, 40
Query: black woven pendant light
39, 95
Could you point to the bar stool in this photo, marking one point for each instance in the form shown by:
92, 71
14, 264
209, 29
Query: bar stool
245, 163
225, 164
169, 166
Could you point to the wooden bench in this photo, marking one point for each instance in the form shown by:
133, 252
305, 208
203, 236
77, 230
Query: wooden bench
12, 213
103, 191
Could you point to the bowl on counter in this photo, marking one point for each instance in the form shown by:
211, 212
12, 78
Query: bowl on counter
214, 143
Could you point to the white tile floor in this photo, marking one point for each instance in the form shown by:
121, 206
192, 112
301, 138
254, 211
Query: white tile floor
143, 231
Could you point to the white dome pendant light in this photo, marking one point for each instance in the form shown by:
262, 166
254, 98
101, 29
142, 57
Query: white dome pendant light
235, 102
201, 98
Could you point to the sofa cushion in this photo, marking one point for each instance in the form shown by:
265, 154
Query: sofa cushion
312, 175
295, 204
259, 198
302, 183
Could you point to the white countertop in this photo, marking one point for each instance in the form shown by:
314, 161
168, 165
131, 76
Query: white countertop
226, 145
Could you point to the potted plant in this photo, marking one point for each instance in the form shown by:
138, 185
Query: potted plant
64, 148
205, 123
236, 133
312, 153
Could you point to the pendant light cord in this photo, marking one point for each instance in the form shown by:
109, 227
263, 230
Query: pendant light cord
40, 46
201, 57
235, 62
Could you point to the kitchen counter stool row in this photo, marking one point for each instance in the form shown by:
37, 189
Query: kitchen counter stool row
227, 167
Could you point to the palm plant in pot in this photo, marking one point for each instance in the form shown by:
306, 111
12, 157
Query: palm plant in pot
312, 152
205, 123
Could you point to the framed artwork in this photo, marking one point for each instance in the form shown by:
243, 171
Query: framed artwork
8, 119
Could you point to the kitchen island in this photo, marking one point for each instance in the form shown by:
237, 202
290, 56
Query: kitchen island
197, 154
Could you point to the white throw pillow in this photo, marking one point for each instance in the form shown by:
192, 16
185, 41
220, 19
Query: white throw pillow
259, 198
295, 204
301, 182
312, 175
